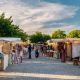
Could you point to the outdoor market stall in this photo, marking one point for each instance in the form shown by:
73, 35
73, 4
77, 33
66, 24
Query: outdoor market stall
71, 47
59, 47
5, 49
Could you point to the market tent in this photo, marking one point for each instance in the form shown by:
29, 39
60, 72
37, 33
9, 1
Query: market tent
56, 40
10, 39
63, 40
6, 49
73, 39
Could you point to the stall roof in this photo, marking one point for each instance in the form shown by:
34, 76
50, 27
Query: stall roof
73, 39
56, 40
64, 40
10, 39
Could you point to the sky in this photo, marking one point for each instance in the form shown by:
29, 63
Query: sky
43, 15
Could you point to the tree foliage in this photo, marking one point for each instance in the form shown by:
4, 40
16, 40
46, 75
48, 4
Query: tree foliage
8, 29
39, 37
74, 33
58, 34
46, 37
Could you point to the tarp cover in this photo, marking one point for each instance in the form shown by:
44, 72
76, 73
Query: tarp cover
11, 39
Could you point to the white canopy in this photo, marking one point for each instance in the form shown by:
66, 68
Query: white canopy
10, 39
56, 40
73, 39
63, 40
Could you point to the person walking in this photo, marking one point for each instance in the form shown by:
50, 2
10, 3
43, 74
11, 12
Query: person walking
29, 51
63, 55
21, 55
36, 52
25, 51
14, 57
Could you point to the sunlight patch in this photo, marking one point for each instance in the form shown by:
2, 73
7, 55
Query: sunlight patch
38, 75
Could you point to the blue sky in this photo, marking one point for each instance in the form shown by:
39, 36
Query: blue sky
43, 15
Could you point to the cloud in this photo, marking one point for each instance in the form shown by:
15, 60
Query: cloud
66, 28
31, 17
53, 12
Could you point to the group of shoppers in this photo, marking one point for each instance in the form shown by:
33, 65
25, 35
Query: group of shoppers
19, 52
35, 48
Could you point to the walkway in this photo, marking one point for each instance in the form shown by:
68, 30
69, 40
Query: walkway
41, 69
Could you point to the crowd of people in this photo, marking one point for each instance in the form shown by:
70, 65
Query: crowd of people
25, 51
19, 52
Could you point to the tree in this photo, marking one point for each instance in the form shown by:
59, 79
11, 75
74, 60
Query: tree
58, 34
8, 29
46, 37
39, 37
5, 25
74, 33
